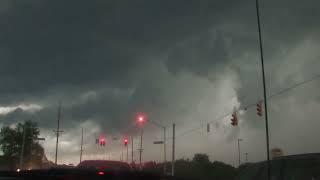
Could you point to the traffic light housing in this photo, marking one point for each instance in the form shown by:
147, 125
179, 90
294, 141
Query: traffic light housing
234, 119
102, 141
141, 118
125, 141
259, 108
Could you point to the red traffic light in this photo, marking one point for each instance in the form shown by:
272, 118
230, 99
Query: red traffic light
234, 119
102, 141
259, 108
125, 141
140, 119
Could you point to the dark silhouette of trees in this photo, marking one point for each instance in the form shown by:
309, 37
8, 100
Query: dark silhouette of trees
200, 168
11, 140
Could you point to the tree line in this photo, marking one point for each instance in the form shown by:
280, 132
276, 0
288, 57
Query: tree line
11, 142
199, 167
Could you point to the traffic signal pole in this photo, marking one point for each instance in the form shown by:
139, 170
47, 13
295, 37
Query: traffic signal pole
132, 150
264, 89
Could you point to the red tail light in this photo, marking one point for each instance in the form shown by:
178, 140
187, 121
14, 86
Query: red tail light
101, 173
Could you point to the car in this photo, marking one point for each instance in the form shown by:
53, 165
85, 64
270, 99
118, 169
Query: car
104, 165
293, 167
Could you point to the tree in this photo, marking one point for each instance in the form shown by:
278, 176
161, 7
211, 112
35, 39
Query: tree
201, 159
11, 140
200, 167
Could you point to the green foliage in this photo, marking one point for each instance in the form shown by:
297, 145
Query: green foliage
11, 140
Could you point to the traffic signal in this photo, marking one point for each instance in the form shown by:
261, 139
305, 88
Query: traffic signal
125, 141
140, 118
102, 141
259, 108
234, 119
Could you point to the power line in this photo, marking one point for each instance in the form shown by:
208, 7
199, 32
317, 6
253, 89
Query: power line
295, 86
250, 105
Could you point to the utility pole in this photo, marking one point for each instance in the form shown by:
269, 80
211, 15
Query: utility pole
164, 152
58, 133
122, 159
132, 150
22, 147
140, 150
173, 147
264, 89
81, 145
239, 150
246, 157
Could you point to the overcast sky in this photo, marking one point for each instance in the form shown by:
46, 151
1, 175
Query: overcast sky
184, 61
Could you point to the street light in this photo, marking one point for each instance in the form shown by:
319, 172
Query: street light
141, 119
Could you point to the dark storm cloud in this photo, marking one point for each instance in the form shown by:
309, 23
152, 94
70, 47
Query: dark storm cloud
49, 46
284, 25
49, 43
53, 50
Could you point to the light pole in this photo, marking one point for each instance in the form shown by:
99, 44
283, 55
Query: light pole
140, 150
140, 121
127, 153
239, 150
132, 150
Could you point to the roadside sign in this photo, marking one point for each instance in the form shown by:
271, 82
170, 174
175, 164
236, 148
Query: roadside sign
158, 142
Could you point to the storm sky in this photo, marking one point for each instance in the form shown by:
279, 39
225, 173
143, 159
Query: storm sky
186, 62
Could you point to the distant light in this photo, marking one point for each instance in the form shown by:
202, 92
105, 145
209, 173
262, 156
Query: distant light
141, 118
18, 170
101, 173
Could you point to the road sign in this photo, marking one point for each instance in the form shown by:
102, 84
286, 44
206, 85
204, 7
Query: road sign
158, 142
